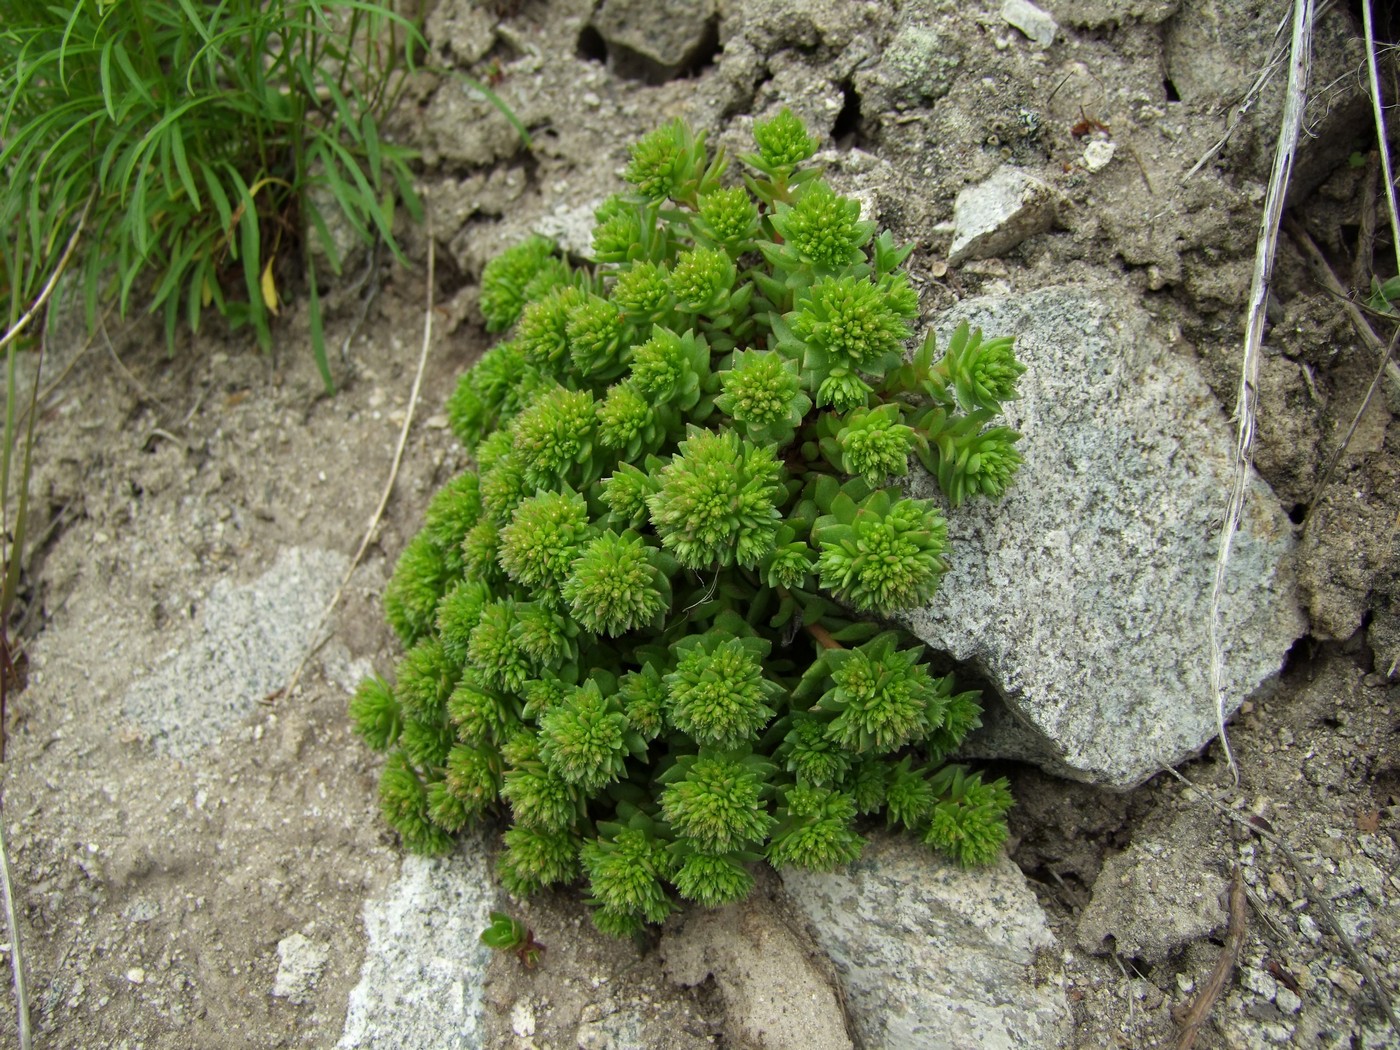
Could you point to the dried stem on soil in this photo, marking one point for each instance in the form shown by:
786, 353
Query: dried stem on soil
1361, 268
1378, 107
1251, 96
1351, 430
1198, 1013
1324, 276
16, 954
1294, 101
316, 641
1258, 826
1322, 273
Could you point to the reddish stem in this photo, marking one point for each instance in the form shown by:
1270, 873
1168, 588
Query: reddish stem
822, 636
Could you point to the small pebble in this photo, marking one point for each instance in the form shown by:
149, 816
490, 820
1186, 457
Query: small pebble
1098, 154
1345, 981
136, 975
522, 1019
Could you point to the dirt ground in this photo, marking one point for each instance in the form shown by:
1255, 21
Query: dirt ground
161, 856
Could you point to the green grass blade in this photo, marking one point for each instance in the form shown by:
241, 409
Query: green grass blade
368, 202
182, 165
369, 135
133, 78
18, 525
318, 333
172, 319
324, 238
192, 14
403, 179
218, 196
10, 420
351, 201
104, 76
194, 290
250, 250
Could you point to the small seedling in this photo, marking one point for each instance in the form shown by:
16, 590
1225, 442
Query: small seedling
507, 934
1384, 295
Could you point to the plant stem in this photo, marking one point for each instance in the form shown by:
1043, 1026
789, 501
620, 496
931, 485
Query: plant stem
26, 1039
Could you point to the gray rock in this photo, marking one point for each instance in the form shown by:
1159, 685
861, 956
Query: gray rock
919, 66
1031, 20
610, 1025
1214, 61
462, 128
1157, 895
248, 641
654, 40
932, 955
421, 983
522, 1019
300, 962
1084, 595
995, 216
775, 997
464, 29
1094, 13
635, 1023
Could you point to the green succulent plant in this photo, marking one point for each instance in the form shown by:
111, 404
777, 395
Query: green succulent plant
637, 629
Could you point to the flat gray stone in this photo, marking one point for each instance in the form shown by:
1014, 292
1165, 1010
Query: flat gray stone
246, 643
424, 966
1084, 594
931, 955
465, 28
1156, 897
995, 216
1038, 25
654, 40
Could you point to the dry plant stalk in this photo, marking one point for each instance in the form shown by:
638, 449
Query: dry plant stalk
1260, 827
1192, 1018
316, 641
16, 955
1382, 140
9, 571
1299, 62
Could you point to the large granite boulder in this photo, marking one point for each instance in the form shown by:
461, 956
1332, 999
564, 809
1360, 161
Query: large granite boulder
1084, 595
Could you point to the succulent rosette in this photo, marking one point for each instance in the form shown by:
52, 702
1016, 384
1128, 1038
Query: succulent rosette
637, 627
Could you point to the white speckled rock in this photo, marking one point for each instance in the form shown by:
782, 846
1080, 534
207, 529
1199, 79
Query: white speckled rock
1084, 595
996, 215
247, 642
300, 962
421, 983
931, 955
775, 995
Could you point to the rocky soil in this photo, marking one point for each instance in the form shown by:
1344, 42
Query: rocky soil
199, 861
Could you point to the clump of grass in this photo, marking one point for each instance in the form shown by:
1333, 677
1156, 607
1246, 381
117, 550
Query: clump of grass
216, 142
